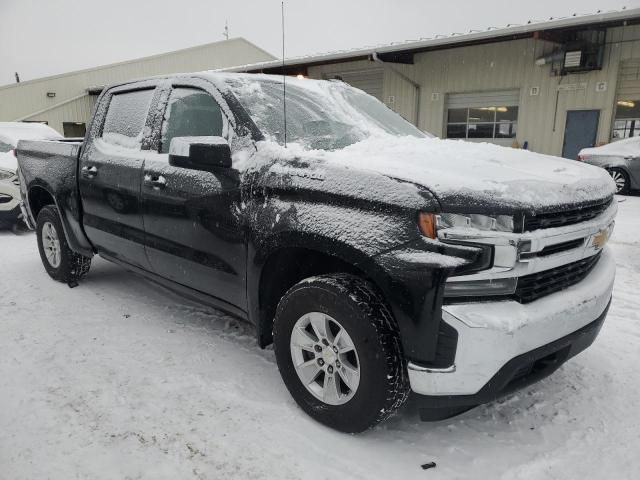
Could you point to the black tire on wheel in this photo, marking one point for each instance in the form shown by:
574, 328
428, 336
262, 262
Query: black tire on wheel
68, 266
383, 382
622, 180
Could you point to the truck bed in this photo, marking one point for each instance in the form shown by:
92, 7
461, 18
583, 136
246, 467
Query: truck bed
48, 169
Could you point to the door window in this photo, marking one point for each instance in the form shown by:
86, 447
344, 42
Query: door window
127, 114
190, 113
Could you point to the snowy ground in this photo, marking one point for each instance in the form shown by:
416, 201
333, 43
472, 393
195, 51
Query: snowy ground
118, 379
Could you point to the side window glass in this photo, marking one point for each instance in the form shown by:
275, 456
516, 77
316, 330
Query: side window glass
126, 117
190, 113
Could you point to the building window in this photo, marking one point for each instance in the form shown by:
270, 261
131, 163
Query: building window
627, 122
482, 122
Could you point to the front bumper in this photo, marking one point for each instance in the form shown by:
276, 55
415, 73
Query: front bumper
9, 210
495, 336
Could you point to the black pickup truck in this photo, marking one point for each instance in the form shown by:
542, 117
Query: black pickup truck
378, 259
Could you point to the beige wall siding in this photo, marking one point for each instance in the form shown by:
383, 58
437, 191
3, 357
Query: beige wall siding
504, 66
28, 100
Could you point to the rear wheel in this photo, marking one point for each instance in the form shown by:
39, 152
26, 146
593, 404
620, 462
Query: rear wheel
339, 352
60, 262
621, 179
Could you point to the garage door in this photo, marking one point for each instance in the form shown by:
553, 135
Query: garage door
489, 116
369, 80
484, 99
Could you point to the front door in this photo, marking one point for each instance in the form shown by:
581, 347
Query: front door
192, 232
580, 132
110, 178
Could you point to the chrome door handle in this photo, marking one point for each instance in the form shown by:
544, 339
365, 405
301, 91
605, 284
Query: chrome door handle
156, 182
89, 172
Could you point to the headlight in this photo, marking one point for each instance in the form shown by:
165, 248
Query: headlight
497, 223
431, 223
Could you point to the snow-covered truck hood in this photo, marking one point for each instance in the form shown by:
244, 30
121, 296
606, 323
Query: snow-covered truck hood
467, 176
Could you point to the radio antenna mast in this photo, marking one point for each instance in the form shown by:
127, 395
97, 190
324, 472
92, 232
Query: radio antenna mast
284, 83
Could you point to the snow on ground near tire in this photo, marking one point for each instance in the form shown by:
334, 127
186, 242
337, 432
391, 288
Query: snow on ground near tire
118, 378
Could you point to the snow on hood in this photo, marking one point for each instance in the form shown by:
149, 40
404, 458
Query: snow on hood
8, 162
12, 132
620, 148
464, 174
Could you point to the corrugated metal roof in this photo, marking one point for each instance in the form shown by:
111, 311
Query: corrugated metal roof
453, 39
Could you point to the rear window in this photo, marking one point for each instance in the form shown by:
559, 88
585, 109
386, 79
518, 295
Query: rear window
127, 114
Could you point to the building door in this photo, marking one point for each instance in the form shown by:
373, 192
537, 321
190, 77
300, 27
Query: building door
74, 129
580, 131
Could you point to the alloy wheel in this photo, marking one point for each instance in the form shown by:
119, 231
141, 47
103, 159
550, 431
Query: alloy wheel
619, 178
325, 358
51, 244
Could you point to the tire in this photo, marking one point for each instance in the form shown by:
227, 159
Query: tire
60, 262
351, 304
621, 179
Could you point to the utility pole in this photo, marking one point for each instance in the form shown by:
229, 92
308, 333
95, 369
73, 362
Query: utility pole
226, 30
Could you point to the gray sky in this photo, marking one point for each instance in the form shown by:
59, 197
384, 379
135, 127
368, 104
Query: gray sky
46, 37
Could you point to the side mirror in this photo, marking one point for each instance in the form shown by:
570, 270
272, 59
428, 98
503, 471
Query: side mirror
200, 153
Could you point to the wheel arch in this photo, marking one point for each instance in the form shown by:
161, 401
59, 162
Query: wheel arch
39, 196
272, 273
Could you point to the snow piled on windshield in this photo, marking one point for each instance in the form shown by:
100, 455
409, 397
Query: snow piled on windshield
323, 115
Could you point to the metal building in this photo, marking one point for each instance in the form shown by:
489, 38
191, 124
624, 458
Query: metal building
65, 101
554, 86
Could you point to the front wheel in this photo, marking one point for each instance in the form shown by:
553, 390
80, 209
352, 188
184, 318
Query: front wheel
339, 353
60, 262
621, 179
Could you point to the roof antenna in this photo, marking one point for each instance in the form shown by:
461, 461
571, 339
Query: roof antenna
284, 83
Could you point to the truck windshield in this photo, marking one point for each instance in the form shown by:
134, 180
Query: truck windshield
320, 115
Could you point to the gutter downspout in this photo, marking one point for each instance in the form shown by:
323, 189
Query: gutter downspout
416, 85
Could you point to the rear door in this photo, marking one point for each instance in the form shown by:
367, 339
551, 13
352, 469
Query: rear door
192, 232
110, 175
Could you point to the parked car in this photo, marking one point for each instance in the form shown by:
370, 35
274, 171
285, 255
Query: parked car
621, 159
377, 259
10, 134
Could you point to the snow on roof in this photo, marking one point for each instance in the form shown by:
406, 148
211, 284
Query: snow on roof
473, 36
619, 148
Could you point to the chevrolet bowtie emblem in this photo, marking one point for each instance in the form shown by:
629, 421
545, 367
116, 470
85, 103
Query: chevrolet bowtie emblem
600, 238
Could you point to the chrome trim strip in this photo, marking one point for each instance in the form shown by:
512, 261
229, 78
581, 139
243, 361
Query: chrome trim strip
421, 369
